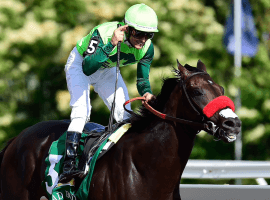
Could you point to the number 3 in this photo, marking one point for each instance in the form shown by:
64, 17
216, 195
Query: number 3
92, 47
54, 159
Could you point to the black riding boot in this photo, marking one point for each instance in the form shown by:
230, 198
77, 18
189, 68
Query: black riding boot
72, 145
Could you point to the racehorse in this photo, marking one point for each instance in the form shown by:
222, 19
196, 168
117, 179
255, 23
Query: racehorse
148, 161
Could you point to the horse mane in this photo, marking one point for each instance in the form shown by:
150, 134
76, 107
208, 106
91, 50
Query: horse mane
144, 117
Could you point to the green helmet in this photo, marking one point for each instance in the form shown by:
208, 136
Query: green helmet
142, 18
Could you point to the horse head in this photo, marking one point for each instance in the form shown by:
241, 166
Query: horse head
207, 100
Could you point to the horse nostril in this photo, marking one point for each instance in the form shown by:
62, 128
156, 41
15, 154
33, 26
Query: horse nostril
229, 123
238, 123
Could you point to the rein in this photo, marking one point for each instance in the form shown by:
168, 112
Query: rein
201, 126
115, 88
207, 126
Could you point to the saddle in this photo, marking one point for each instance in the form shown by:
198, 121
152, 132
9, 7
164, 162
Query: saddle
93, 141
96, 135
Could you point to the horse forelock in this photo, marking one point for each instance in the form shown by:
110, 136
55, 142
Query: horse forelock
189, 68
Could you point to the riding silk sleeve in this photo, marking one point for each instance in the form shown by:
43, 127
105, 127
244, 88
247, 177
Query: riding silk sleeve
96, 55
143, 69
100, 54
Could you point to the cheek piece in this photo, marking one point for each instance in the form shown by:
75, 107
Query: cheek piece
217, 104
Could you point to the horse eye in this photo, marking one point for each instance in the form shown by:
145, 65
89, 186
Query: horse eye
196, 92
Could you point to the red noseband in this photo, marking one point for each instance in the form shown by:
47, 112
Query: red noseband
217, 104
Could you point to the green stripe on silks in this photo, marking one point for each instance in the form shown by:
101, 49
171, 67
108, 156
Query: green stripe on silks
82, 192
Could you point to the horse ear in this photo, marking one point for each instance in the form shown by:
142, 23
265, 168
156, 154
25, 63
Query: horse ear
201, 66
183, 71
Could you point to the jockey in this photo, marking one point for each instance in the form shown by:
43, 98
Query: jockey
92, 62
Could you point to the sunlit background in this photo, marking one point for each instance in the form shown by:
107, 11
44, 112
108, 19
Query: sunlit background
36, 37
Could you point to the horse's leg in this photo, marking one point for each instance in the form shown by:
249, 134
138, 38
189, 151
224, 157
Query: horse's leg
17, 170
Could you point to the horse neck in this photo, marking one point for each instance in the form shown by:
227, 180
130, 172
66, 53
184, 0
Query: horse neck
167, 145
179, 107
183, 135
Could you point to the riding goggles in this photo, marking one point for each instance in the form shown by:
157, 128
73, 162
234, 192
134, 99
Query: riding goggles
140, 34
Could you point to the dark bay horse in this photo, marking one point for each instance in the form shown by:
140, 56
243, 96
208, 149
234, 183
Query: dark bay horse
148, 161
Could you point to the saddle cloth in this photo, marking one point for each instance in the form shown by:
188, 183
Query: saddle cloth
94, 143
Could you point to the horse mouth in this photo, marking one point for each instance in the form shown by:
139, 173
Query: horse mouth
229, 129
231, 137
228, 137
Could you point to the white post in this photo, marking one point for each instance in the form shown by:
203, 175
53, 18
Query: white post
237, 72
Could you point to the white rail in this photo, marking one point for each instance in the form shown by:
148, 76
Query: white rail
226, 169
224, 192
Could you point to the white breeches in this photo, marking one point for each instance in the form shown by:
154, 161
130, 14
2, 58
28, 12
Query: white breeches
103, 81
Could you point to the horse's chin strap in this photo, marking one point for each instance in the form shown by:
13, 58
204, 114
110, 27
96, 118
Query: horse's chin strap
208, 126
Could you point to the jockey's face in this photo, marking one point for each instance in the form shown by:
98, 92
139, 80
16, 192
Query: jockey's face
138, 38
137, 43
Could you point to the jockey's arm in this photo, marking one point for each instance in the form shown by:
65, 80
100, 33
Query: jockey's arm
92, 62
143, 69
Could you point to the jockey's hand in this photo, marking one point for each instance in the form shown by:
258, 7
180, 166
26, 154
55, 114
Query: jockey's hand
148, 97
118, 34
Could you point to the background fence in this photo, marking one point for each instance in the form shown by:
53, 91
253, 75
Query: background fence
226, 169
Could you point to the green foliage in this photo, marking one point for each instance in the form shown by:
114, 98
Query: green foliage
36, 38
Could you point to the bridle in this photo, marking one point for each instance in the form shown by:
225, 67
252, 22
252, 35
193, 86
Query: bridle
208, 126
205, 125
